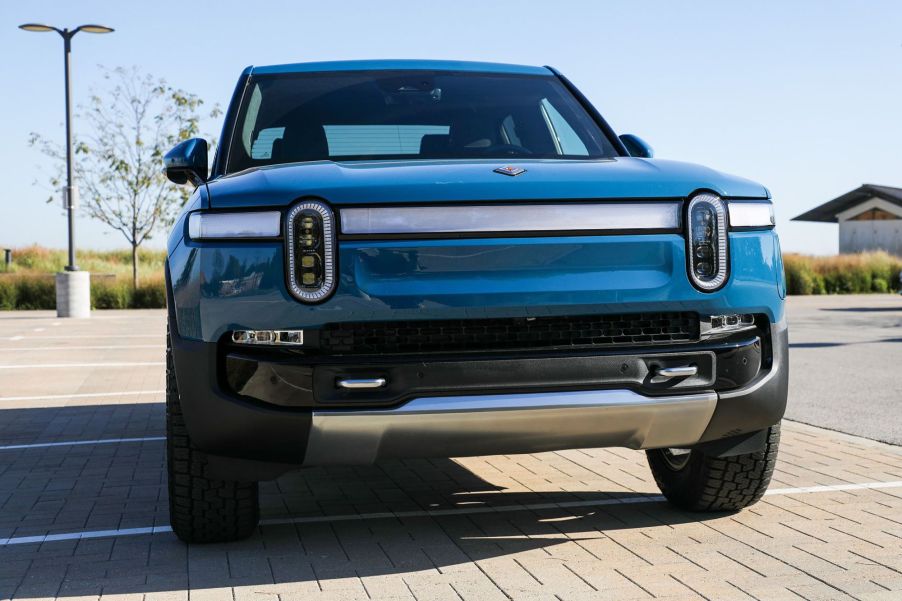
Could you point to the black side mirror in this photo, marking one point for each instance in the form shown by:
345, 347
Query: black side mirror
637, 147
187, 162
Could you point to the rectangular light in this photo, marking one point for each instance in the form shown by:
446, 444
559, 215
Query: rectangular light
751, 214
269, 337
576, 216
261, 224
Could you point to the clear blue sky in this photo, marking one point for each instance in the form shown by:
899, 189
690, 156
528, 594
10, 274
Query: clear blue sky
803, 96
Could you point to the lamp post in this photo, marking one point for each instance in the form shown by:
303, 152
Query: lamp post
73, 288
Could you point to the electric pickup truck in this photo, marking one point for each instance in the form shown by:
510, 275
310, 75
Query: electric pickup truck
404, 259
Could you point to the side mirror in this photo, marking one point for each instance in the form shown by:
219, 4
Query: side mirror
637, 147
187, 162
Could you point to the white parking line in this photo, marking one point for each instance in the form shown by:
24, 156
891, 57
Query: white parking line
76, 443
81, 337
83, 395
81, 348
23, 540
65, 365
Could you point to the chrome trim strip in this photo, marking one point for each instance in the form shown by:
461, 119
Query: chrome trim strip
575, 216
366, 383
328, 252
510, 423
751, 214
682, 371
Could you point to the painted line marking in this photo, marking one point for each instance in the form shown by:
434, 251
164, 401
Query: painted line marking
83, 395
82, 348
76, 443
81, 337
65, 365
43, 538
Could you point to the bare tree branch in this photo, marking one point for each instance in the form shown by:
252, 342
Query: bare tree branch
130, 125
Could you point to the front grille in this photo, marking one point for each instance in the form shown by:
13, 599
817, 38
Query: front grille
450, 335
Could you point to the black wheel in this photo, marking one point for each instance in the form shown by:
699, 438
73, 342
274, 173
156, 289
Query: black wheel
697, 482
201, 509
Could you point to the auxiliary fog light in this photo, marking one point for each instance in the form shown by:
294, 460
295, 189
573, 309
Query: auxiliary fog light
275, 337
724, 325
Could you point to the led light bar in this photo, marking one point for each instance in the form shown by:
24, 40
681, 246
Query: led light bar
723, 325
269, 337
458, 219
209, 226
751, 214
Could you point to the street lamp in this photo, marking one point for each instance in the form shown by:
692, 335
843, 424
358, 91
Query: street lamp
67, 36
73, 294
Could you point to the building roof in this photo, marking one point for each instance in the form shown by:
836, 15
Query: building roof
828, 211
396, 64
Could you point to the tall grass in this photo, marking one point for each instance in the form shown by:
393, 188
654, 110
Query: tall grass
29, 282
842, 274
38, 259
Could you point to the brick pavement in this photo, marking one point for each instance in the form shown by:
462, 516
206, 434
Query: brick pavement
585, 524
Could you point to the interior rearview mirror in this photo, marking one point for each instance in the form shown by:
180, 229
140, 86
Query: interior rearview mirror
187, 161
637, 147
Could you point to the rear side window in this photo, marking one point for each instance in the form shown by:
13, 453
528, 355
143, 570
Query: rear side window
367, 115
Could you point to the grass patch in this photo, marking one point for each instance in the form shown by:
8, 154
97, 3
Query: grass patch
858, 273
29, 282
30, 260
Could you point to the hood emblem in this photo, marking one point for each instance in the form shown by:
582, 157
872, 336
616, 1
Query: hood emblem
510, 170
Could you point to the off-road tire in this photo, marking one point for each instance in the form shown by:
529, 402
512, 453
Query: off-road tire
701, 482
201, 509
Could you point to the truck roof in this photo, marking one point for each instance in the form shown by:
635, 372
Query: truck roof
399, 64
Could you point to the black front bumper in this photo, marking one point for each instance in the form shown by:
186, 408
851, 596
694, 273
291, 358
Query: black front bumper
254, 409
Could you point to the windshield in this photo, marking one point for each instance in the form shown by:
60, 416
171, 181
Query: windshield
342, 116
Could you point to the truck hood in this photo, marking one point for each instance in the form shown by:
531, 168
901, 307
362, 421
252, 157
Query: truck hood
357, 182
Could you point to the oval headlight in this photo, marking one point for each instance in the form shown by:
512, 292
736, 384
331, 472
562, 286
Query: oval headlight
310, 240
707, 242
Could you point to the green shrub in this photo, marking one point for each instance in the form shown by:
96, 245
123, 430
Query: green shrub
842, 274
35, 292
879, 285
111, 295
800, 276
39, 292
150, 295
8, 294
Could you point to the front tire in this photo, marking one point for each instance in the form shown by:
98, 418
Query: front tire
698, 482
201, 509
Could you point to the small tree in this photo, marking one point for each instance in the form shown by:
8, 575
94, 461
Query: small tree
118, 159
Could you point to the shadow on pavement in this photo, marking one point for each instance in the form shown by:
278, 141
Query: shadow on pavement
95, 487
864, 309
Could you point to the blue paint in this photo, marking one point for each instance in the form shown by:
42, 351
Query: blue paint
221, 286
225, 286
399, 64
364, 182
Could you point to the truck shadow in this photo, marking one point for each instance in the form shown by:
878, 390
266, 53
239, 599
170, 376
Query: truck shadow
348, 523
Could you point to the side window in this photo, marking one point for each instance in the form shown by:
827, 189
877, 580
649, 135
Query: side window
262, 148
566, 139
509, 131
250, 119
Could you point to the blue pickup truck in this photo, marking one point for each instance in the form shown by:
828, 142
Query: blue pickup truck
396, 259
